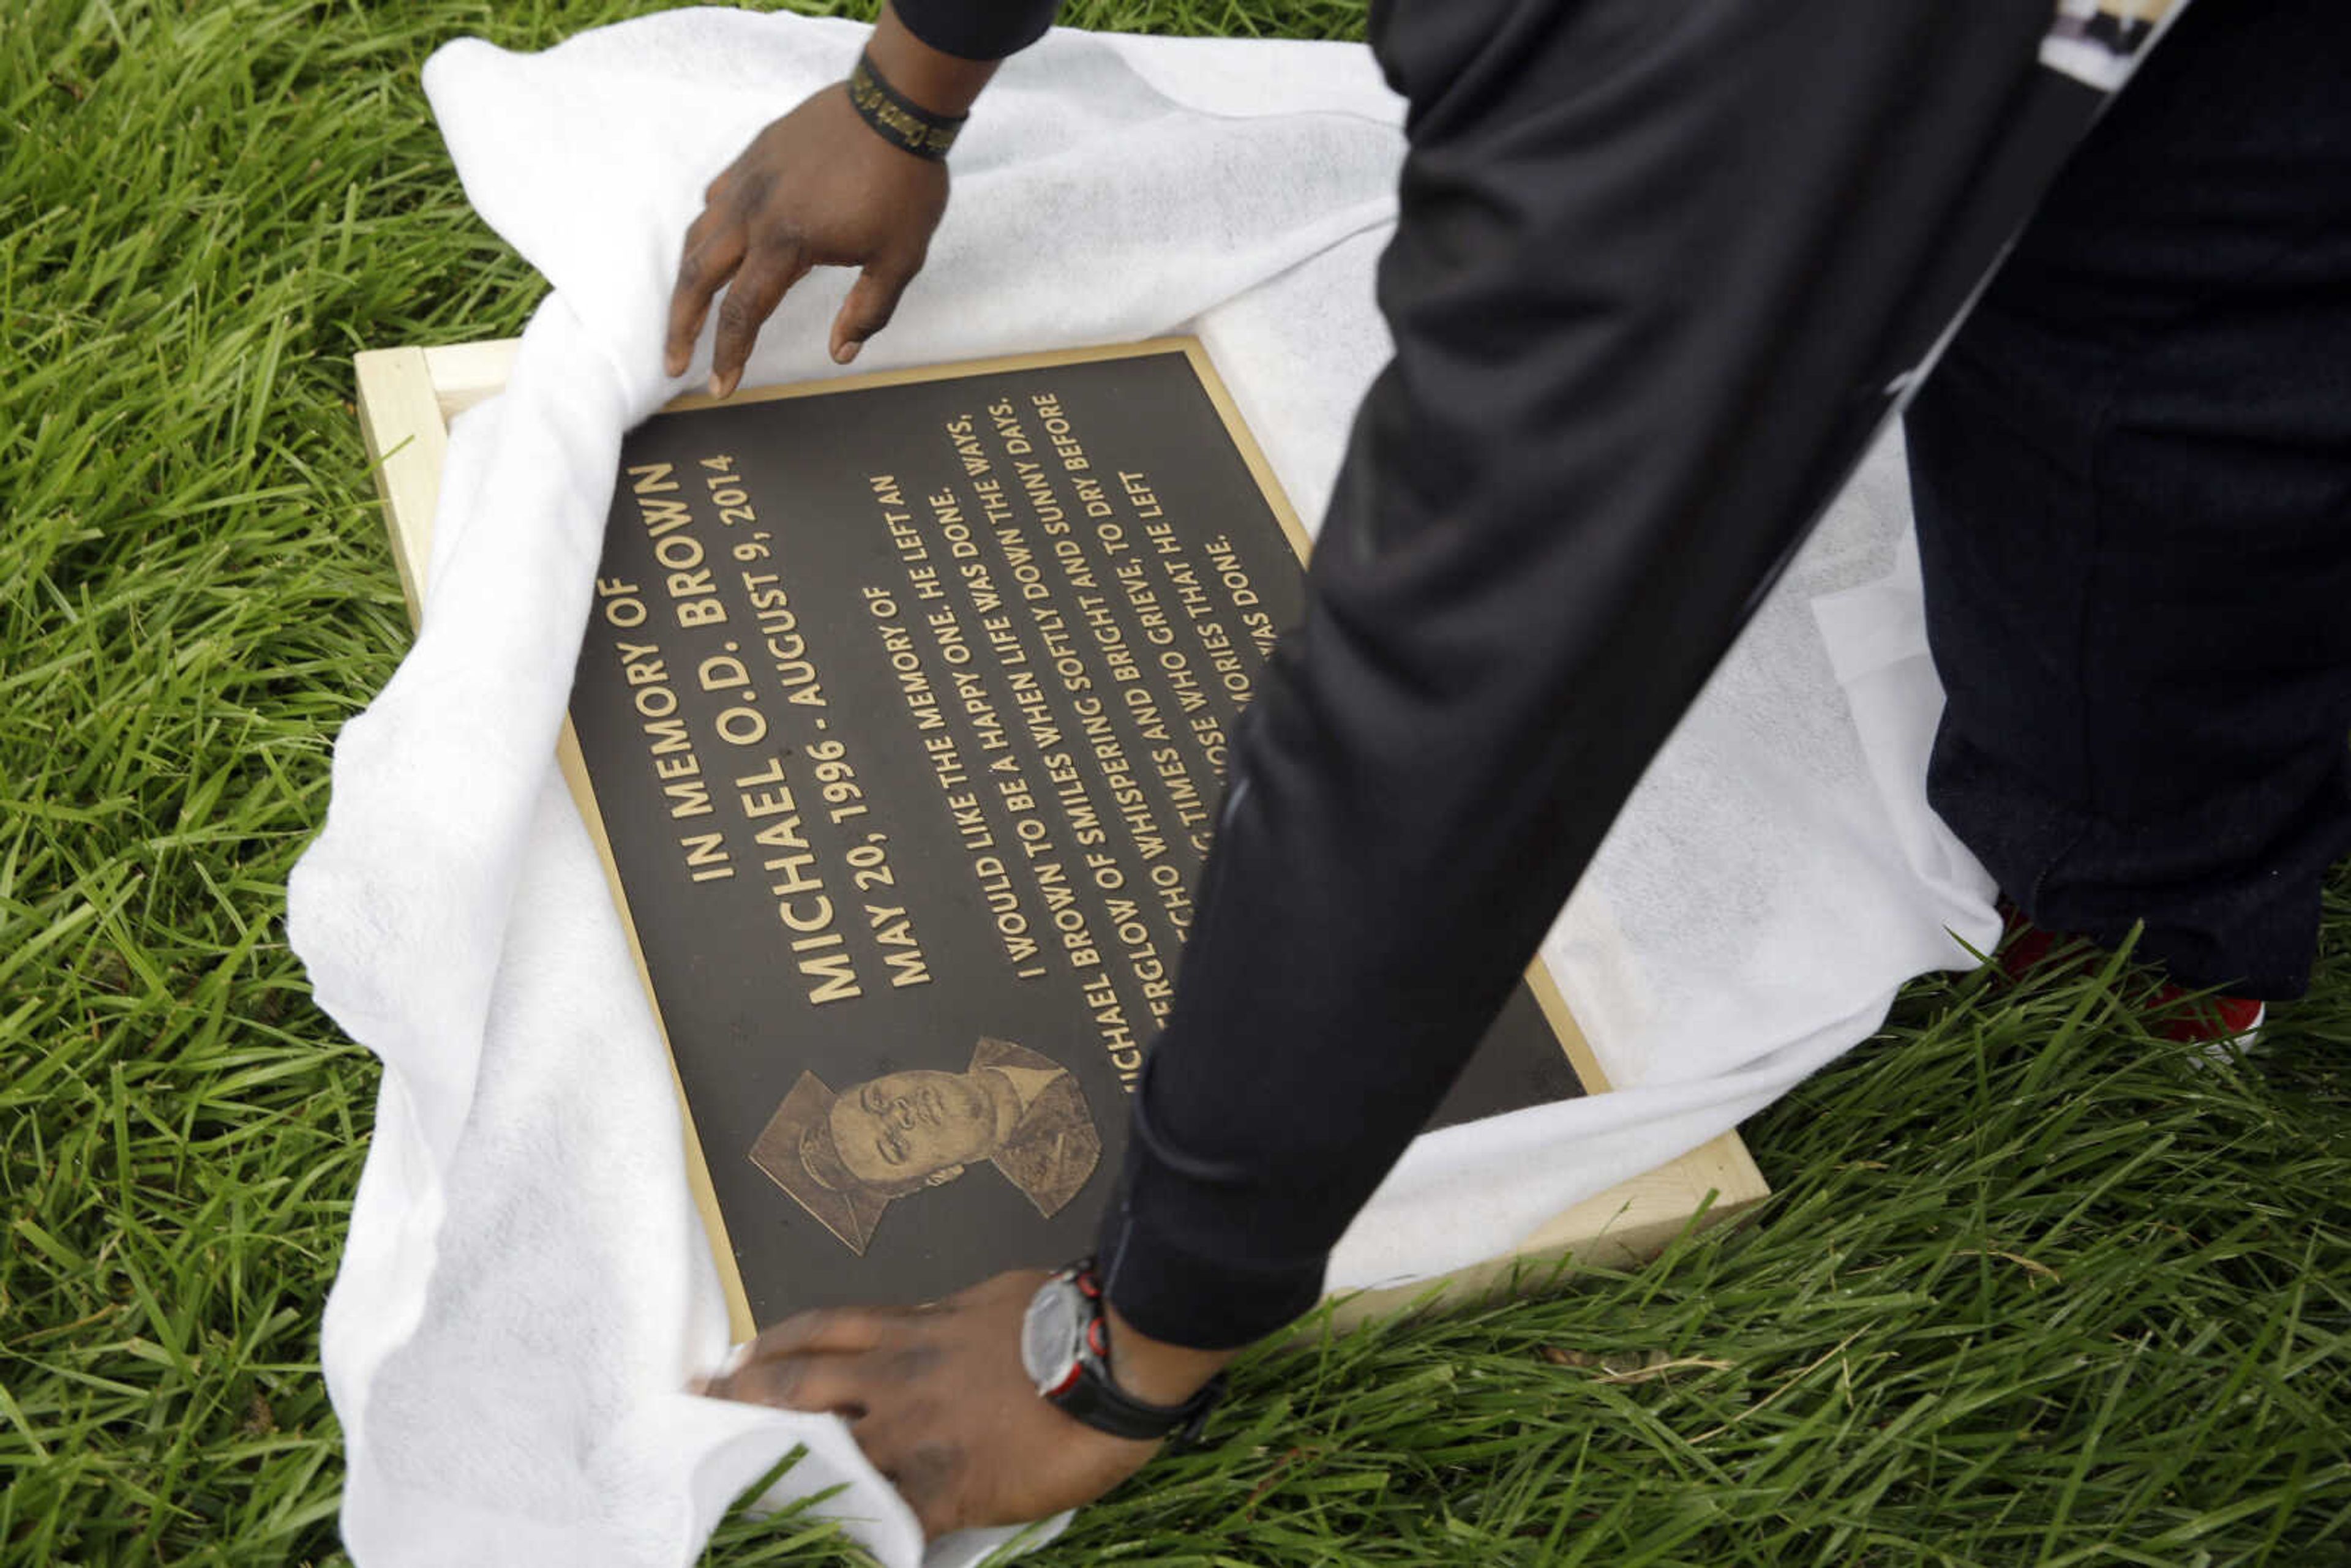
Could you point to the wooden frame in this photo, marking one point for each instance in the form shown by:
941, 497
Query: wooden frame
406, 399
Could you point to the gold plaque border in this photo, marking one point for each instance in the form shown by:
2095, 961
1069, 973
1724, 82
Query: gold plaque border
406, 398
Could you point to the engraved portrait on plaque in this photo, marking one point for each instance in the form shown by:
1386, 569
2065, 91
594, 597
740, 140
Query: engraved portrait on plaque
843, 1158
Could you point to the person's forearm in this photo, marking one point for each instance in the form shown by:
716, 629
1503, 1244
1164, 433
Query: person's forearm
946, 84
1650, 291
1154, 1371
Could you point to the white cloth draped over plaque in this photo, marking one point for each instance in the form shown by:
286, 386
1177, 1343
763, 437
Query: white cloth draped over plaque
526, 1286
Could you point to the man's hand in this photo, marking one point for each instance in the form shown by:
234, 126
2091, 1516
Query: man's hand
817, 188
938, 1399
820, 188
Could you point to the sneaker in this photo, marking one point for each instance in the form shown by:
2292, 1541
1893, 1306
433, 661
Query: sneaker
2224, 1026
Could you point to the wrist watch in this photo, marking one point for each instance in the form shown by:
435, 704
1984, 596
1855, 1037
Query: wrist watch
1065, 1345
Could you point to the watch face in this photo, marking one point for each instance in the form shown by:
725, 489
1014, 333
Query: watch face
1049, 1335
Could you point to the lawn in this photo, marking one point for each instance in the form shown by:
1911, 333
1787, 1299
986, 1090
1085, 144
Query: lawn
2035, 1288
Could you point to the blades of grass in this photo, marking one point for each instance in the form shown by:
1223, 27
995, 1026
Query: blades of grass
204, 209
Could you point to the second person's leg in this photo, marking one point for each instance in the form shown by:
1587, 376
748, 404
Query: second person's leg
2133, 480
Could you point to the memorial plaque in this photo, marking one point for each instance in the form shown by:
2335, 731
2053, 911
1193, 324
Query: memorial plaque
906, 708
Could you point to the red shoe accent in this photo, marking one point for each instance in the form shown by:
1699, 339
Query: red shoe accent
2207, 1021
2024, 948
2025, 953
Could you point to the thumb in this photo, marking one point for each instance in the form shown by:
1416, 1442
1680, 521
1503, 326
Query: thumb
871, 301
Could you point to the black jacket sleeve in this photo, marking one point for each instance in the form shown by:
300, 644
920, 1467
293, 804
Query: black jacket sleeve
978, 29
1658, 271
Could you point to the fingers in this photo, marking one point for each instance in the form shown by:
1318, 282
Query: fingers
711, 254
871, 301
929, 1470
758, 287
937, 1398
817, 1384
827, 1343
836, 1331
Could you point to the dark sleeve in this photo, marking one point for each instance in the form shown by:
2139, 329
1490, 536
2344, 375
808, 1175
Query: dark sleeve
1658, 272
978, 29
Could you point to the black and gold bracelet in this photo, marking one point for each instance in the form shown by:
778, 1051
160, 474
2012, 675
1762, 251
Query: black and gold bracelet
898, 120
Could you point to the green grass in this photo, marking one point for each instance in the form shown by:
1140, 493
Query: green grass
2035, 1290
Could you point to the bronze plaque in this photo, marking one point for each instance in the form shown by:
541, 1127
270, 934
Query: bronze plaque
905, 708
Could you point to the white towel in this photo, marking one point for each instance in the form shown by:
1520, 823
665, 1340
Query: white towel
526, 1287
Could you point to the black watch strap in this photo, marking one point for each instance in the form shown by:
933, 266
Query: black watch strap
1078, 1376
1106, 1407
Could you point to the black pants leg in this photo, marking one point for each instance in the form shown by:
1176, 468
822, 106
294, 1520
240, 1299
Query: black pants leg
2133, 481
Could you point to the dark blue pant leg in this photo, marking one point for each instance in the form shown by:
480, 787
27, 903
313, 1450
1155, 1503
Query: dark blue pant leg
2133, 480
